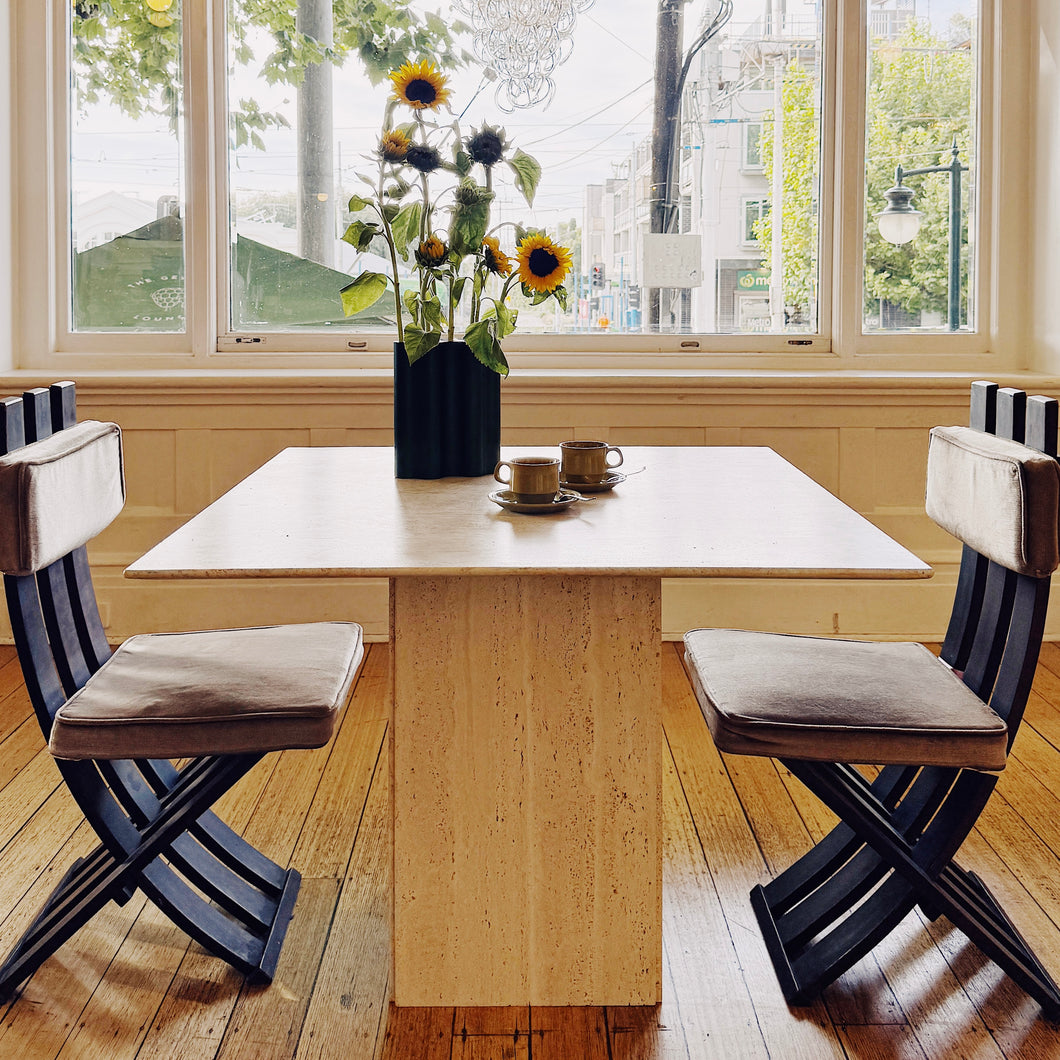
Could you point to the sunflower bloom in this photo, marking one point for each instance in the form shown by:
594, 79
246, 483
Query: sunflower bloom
393, 146
421, 85
495, 259
432, 252
543, 265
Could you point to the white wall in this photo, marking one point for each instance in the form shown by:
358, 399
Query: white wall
1045, 196
6, 152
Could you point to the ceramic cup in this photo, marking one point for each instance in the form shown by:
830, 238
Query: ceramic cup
532, 479
587, 461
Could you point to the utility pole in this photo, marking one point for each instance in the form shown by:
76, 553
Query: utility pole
316, 188
668, 43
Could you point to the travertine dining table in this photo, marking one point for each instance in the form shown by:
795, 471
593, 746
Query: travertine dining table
526, 734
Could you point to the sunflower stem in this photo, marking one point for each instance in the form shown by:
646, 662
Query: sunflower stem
388, 235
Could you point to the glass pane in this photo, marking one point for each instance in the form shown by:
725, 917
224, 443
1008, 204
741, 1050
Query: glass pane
307, 97
920, 166
126, 165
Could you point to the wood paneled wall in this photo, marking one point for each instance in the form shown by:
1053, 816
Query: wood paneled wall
187, 440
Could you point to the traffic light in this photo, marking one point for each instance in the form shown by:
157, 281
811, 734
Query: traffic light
598, 275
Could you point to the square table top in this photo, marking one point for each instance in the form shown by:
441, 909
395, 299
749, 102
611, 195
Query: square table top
706, 511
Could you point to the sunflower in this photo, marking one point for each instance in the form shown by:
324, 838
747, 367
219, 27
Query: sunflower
495, 259
431, 253
423, 157
421, 85
543, 265
487, 146
393, 146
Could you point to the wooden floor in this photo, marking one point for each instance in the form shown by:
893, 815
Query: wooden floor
130, 985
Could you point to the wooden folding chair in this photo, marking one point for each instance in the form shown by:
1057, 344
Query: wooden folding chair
941, 728
218, 699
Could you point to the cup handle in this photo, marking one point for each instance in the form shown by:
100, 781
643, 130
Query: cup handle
497, 472
614, 449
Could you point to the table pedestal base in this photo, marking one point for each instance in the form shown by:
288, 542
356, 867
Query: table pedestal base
526, 742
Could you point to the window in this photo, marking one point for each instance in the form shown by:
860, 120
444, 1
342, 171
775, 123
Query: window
212, 150
752, 145
754, 210
920, 118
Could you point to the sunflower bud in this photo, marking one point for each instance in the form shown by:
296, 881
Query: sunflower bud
487, 146
431, 253
423, 157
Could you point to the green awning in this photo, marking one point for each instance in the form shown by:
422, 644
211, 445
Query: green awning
136, 282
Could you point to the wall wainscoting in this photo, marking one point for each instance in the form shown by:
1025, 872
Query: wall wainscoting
864, 437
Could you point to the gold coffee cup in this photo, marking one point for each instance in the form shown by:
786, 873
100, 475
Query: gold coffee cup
587, 461
531, 479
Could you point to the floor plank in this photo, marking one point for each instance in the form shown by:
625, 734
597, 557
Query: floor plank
130, 984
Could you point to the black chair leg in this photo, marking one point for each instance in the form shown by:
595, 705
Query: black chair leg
811, 947
251, 944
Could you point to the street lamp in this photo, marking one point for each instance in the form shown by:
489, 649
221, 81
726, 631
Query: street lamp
899, 222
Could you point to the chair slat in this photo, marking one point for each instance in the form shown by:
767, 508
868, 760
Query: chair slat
1043, 415
38, 408
1011, 414
971, 581
12, 425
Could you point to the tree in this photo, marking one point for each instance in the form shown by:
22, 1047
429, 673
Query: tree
799, 225
127, 52
919, 98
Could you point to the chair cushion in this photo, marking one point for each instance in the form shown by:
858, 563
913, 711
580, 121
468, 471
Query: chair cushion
996, 495
229, 691
830, 700
58, 493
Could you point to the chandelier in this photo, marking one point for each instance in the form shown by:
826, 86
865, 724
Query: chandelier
522, 42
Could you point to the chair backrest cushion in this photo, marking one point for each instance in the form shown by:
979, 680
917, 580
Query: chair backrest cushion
997, 496
58, 493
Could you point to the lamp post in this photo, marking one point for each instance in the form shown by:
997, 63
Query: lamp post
899, 222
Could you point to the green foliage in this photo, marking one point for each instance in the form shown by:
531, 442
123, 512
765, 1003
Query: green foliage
801, 161
123, 57
527, 172
365, 291
919, 99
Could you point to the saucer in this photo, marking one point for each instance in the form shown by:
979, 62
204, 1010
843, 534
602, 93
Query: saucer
609, 481
506, 499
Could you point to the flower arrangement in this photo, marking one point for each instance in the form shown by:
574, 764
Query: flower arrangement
455, 255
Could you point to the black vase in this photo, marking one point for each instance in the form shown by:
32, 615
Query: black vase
447, 414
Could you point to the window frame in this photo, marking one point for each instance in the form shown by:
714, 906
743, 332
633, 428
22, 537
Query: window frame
42, 244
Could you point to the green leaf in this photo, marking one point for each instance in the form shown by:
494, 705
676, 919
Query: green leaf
405, 227
506, 319
359, 234
471, 218
418, 342
458, 289
481, 338
357, 203
462, 161
433, 317
527, 171
366, 290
